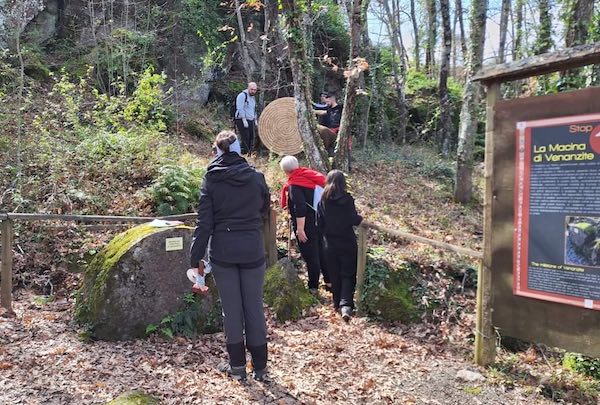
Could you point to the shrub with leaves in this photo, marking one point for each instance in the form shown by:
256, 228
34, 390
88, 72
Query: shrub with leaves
582, 364
192, 319
146, 106
175, 190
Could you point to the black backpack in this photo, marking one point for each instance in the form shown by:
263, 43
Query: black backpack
233, 106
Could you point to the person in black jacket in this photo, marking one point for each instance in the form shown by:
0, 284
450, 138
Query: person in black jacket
234, 198
298, 195
336, 215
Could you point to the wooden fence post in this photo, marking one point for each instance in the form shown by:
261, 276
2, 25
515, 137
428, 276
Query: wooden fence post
7, 262
270, 237
361, 264
485, 338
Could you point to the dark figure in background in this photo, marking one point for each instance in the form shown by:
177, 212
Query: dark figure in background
336, 215
332, 115
245, 116
323, 119
298, 196
234, 198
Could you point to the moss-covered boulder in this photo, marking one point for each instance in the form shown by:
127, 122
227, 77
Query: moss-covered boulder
285, 293
387, 291
134, 398
137, 280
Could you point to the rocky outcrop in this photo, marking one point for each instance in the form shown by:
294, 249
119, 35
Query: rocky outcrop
15, 16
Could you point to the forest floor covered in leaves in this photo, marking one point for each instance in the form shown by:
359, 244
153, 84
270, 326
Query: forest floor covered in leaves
318, 359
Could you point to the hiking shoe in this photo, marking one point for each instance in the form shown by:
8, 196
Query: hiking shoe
346, 313
314, 292
236, 373
261, 375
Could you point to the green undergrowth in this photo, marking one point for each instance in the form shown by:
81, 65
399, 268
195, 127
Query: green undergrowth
585, 365
134, 398
563, 378
423, 160
191, 319
175, 190
388, 292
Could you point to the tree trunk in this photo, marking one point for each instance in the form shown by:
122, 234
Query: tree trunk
363, 110
503, 30
415, 24
445, 130
265, 54
595, 37
396, 12
454, 49
544, 41
296, 33
398, 70
243, 44
463, 188
355, 68
518, 44
578, 18
461, 25
431, 36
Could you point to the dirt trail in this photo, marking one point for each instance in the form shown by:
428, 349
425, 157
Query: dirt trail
319, 360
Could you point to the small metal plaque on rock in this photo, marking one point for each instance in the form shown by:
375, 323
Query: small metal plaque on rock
172, 244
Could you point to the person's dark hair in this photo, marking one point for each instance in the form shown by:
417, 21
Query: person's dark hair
225, 139
336, 185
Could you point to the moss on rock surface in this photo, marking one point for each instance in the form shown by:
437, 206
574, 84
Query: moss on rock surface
134, 398
98, 271
135, 281
285, 293
387, 292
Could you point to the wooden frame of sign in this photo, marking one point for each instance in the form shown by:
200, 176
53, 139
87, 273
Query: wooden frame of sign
503, 308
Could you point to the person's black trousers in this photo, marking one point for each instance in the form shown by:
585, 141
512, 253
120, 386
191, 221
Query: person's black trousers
313, 253
341, 265
246, 135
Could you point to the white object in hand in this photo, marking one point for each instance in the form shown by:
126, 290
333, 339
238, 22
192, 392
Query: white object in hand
196, 278
245, 121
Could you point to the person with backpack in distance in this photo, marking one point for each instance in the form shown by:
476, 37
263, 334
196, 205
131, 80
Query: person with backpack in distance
336, 217
300, 195
245, 116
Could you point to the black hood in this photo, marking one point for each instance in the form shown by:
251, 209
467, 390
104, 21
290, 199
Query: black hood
230, 168
341, 199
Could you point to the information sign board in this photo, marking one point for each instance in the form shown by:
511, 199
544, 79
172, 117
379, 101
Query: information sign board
557, 210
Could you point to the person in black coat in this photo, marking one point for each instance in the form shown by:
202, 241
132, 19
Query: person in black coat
336, 216
234, 199
298, 195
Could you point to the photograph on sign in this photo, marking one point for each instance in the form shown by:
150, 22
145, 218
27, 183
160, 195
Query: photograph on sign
557, 210
582, 241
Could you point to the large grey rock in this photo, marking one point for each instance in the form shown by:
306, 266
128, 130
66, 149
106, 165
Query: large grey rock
135, 281
15, 16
